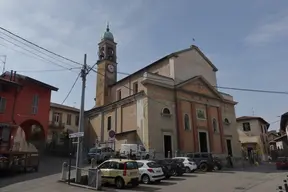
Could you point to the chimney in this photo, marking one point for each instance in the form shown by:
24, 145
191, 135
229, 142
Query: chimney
14, 76
11, 74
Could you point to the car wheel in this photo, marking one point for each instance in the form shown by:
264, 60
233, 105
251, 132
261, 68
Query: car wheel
203, 167
216, 168
119, 183
145, 179
174, 172
187, 170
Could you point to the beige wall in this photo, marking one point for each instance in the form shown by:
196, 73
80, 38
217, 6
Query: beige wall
127, 117
126, 87
255, 134
230, 130
159, 125
190, 64
64, 113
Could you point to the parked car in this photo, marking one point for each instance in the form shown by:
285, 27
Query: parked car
134, 151
179, 168
189, 164
281, 163
204, 161
217, 163
100, 154
150, 171
120, 172
169, 169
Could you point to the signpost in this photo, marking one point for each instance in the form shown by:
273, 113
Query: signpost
72, 136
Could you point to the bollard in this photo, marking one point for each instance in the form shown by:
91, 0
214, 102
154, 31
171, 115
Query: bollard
280, 189
64, 172
169, 154
93, 163
176, 154
99, 180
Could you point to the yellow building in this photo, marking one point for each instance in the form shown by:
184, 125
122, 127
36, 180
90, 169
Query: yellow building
155, 104
253, 135
62, 118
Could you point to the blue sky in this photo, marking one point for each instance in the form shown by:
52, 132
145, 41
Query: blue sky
246, 40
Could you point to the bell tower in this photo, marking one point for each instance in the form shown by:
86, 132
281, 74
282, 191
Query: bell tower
106, 68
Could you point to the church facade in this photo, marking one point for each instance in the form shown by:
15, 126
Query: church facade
170, 105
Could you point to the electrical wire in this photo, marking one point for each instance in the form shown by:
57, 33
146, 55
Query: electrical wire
46, 70
68, 94
220, 87
35, 53
33, 47
7, 31
40, 59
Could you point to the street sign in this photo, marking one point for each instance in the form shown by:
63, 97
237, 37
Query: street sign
111, 134
74, 135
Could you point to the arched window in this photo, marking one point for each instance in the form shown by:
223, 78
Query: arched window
166, 111
215, 125
186, 122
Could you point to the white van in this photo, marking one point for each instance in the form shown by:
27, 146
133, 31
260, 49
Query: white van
137, 151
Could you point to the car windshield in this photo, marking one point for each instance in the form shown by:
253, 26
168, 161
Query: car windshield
94, 150
153, 165
131, 165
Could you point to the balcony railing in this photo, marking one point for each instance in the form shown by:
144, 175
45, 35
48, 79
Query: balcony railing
56, 125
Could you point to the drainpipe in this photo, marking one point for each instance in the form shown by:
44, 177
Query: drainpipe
176, 115
15, 97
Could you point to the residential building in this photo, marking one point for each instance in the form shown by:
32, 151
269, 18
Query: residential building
170, 105
272, 135
62, 118
253, 135
24, 102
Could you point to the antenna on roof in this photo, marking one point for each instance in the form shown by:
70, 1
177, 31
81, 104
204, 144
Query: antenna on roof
3, 61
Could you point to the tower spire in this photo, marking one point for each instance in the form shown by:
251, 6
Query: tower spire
107, 27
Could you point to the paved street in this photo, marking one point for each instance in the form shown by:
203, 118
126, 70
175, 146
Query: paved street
256, 179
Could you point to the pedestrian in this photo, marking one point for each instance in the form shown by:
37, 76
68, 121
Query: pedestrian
229, 161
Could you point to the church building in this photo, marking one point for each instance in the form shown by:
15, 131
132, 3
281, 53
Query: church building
170, 105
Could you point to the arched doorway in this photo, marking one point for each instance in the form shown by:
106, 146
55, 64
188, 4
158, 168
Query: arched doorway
35, 133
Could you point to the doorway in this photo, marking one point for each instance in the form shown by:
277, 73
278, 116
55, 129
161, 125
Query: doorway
229, 147
203, 142
167, 146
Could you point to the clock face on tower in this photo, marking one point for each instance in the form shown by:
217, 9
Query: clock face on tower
111, 68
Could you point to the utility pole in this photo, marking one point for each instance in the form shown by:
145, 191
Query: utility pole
79, 155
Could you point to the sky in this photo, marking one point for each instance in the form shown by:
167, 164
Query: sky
247, 41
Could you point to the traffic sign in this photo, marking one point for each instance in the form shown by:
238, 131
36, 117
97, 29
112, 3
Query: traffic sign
74, 135
111, 134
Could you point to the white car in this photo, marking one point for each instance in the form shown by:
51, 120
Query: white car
190, 165
150, 171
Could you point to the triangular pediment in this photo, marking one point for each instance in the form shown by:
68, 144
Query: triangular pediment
201, 86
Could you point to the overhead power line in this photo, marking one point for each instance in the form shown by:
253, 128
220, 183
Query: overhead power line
36, 49
220, 87
35, 57
52, 62
7, 31
46, 70
68, 94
